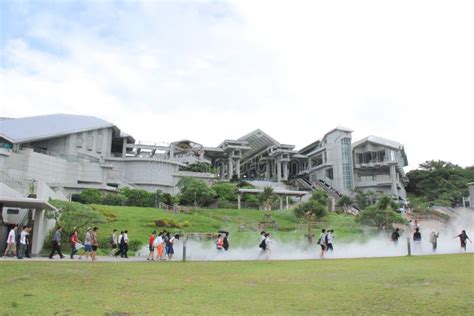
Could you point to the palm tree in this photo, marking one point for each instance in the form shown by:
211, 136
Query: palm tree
266, 198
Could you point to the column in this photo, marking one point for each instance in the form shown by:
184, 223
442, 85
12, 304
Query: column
238, 200
124, 147
230, 171
237, 168
287, 202
278, 166
281, 202
285, 170
267, 170
393, 178
222, 169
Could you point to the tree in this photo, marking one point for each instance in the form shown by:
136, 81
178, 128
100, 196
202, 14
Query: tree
140, 197
195, 192
344, 202
382, 214
72, 214
316, 205
363, 199
266, 198
91, 196
440, 182
225, 191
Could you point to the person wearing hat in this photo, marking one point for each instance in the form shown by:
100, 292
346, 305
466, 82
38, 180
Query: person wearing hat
87, 244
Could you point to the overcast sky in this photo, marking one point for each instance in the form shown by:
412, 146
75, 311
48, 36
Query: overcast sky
214, 70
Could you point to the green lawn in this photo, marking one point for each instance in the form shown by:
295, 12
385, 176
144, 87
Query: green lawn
442, 284
139, 221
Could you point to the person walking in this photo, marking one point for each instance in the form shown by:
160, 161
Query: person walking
151, 246
22, 242
322, 242
28, 242
262, 244
120, 245
329, 238
395, 236
166, 239
268, 246
417, 239
219, 243
125, 244
463, 238
171, 243
158, 242
94, 243
113, 242
11, 242
225, 244
434, 240
74, 242
87, 244
56, 244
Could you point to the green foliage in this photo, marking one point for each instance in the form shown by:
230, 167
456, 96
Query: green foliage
382, 214
90, 196
225, 191
76, 215
195, 191
266, 198
140, 197
440, 182
198, 167
344, 201
169, 199
114, 199
316, 205
364, 199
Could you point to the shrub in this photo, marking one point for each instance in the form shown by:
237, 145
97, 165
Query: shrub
140, 197
225, 191
90, 196
195, 191
114, 199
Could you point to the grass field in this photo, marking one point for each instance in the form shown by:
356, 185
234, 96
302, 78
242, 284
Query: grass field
442, 284
139, 221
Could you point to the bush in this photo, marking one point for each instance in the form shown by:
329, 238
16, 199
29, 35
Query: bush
195, 190
171, 223
380, 218
90, 196
114, 199
140, 197
225, 191
317, 205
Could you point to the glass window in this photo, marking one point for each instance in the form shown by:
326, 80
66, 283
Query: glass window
346, 163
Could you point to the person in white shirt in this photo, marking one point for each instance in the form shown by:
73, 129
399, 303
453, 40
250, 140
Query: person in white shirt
322, 242
114, 243
23, 235
158, 244
329, 239
268, 246
125, 244
11, 244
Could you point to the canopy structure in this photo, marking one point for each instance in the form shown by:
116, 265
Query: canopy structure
26, 203
280, 193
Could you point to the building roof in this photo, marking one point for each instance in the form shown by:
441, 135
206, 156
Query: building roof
35, 128
379, 141
26, 203
257, 141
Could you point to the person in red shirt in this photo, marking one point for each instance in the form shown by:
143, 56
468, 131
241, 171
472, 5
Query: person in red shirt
151, 246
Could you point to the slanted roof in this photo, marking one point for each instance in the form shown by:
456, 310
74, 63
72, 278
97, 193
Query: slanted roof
35, 128
379, 141
257, 141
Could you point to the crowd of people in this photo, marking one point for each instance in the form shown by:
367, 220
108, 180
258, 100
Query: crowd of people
433, 238
161, 245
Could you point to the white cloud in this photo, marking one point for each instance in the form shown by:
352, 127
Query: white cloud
167, 71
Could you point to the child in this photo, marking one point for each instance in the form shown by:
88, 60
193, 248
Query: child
219, 243
151, 246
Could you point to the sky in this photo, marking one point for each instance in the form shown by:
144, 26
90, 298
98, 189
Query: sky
213, 70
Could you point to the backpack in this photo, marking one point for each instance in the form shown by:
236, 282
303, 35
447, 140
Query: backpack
326, 239
263, 245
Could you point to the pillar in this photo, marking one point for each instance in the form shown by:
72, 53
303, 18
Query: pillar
237, 168
222, 170
281, 202
287, 202
230, 171
124, 147
238, 200
267, 170
393, 178
285, 170
278, 166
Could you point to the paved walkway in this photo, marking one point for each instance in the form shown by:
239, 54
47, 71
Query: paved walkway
76, 259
